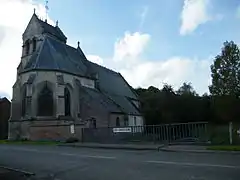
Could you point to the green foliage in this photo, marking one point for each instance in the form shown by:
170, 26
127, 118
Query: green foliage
167, 106
224, 148
226, 71
186, 89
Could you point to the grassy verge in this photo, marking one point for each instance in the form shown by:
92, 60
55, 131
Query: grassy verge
30, 142
224, 148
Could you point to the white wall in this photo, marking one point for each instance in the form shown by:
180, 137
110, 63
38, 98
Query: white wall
137, 122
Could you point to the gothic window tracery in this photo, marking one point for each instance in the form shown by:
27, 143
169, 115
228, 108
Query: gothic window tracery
45, 102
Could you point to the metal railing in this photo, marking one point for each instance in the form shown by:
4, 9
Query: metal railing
167, 133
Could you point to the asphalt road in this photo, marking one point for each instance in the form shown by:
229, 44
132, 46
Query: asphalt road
65, 163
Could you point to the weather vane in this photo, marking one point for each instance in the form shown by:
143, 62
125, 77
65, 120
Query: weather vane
46, 7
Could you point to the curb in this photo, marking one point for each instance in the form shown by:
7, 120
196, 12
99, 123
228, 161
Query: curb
113, 147
18, 170
199, 151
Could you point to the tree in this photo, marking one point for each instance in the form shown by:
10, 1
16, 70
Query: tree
226, 71
186, 89
167, 89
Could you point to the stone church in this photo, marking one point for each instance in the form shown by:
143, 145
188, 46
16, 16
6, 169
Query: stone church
57, 87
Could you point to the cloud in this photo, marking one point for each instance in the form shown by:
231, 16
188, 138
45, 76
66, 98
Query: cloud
140, 72
194, 13
238, 12
95, 59
129, 47
14, 17
143, 16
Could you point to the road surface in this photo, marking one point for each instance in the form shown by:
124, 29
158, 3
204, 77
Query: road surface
66, 163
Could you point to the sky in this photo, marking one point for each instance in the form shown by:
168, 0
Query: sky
150, 42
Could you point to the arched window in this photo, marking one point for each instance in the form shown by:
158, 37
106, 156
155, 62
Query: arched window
67, 99
34, 44
24, 99
27, 47
45, 102
125, 121
117, 122
93, 123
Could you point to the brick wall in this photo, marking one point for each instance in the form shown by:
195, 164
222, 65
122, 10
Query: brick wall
61, 132
5, 107
58, 130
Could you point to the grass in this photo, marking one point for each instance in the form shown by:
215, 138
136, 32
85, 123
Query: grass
30, 142
225, 148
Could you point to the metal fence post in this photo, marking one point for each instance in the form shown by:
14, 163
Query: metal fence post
230, 133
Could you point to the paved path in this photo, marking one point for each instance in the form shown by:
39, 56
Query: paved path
66, 163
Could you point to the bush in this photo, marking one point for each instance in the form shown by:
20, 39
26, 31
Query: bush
72, 140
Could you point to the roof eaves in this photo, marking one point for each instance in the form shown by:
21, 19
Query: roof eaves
104, 68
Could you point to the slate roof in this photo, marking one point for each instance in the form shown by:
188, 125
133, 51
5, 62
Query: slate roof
124, 103
113, 93
55, 31
111, 81
55, 55
102, 100
3, 100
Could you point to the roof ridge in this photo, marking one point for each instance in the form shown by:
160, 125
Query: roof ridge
51, 46
128, 85
110, 70
74, 62
118, 105
40, 50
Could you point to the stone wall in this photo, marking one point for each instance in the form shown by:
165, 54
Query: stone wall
58, 92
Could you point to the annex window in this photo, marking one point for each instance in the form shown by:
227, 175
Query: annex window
117, 122
93, 123
126, 121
